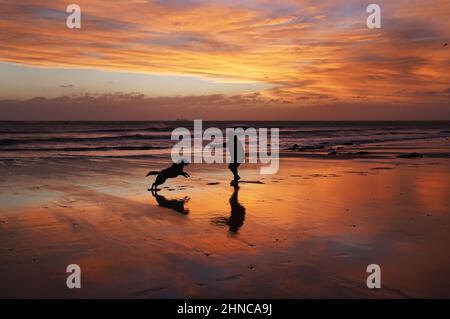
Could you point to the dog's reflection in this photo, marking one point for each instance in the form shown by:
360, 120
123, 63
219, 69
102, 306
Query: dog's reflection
174, 204
237, 215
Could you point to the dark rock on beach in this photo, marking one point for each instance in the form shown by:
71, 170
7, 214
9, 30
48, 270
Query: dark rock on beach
410, 155
310, 148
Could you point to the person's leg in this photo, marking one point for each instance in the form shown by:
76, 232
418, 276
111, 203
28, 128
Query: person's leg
234, 169
237, 177
237, 155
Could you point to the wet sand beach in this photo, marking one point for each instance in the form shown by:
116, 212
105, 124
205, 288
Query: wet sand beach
308, 231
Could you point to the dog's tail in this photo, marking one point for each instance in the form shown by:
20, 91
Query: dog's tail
152, 173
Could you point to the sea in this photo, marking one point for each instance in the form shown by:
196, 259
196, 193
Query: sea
22, 140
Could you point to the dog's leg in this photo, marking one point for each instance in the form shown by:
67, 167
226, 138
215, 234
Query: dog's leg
157, 183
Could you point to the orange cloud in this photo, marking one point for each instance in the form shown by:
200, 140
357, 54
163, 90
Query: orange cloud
309, 51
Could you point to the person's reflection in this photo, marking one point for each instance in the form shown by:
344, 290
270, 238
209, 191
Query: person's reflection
237, 215
174, 204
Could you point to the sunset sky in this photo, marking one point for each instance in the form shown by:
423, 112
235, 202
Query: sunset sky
262, 60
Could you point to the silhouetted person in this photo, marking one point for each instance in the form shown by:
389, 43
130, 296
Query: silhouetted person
237, 215
174, 204
237, 157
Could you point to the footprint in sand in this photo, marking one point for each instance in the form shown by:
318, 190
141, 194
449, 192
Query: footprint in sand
286, 262
147, 291
228, 278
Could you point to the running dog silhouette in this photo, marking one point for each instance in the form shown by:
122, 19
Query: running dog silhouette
171, 172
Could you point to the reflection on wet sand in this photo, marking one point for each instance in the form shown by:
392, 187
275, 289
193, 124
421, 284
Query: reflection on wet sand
237, 215
174, 204
310, 231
